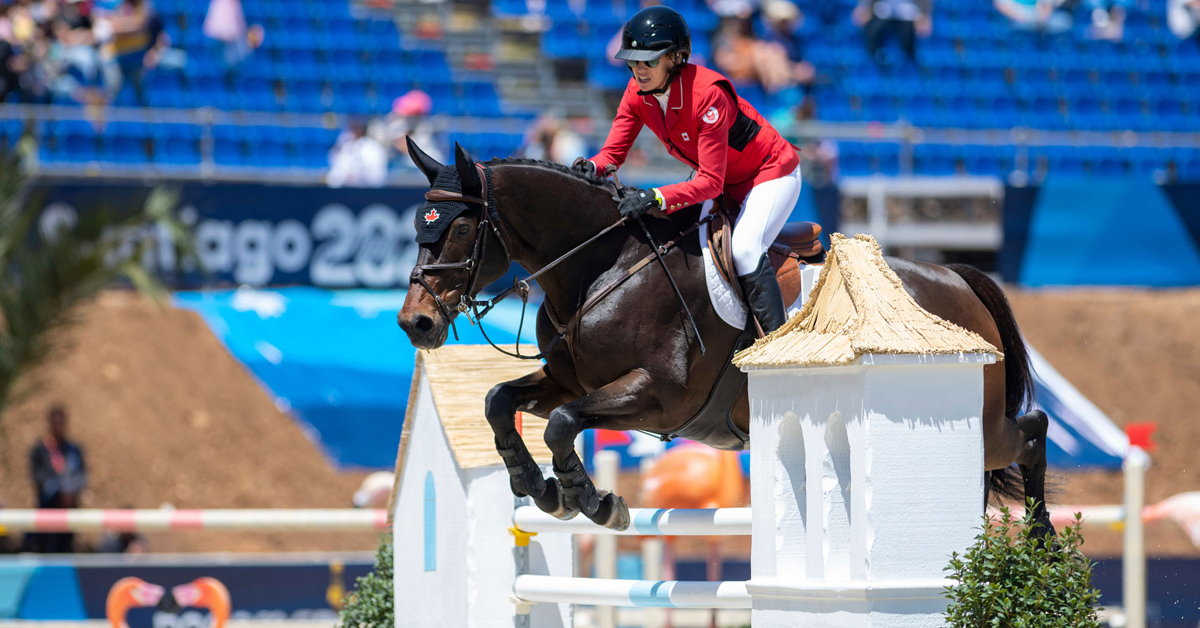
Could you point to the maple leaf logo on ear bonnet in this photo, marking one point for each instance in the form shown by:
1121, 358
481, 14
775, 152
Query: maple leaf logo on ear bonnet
431, 216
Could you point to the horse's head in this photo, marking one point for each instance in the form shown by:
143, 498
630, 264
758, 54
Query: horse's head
460, 248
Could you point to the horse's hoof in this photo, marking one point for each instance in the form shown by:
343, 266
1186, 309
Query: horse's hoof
551, 502
612, 513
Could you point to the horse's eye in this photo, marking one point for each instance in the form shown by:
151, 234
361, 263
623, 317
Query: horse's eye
463, 230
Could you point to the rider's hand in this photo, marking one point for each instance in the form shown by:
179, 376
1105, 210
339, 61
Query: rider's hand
584, 166
637, 202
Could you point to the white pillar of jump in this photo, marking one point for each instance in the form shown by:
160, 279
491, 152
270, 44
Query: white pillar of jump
864, 479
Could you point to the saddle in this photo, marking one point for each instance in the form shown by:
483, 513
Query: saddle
796, 245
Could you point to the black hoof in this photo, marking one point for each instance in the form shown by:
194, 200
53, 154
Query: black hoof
612, 513
551, 502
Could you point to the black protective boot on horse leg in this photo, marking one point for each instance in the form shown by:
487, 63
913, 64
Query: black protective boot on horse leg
525, 476
1032, 462
763, 296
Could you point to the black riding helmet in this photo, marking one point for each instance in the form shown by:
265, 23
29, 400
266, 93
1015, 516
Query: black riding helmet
654, 32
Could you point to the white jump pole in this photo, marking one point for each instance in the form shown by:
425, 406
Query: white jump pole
646, 522
167, 520
1133, 563
652, 562
643, 593
604, 554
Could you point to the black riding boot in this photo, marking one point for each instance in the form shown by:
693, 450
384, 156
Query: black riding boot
763, 296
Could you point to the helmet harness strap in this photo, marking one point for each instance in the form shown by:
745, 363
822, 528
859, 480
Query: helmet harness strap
670, 78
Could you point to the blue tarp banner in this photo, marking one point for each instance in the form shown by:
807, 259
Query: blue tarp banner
1069, 232
338, 362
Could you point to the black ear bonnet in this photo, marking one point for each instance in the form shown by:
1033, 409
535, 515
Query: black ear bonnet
435, 216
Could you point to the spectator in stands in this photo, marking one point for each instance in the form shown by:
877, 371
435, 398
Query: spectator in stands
122, 542
410, 118
132, 36
549, 139
818, 156
59, 476
1108, 19
740, 9
1047, 16
161, 56
735, 50
226, 23
782, 50
357, 160
76, 47
12, 63
907, 19
1183, 17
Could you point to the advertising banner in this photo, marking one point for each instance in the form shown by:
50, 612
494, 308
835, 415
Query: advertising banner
260, 235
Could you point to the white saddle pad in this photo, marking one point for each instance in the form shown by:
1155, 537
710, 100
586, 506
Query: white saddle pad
724, 298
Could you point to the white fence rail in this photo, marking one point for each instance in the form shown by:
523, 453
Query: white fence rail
163, 520
645, 522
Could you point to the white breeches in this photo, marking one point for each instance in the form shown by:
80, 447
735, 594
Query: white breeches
764, 212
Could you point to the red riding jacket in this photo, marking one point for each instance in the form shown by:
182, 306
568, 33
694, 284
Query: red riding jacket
706, 126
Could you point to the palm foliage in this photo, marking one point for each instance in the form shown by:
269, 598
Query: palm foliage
49, 264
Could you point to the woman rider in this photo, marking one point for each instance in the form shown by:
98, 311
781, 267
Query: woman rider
702, 122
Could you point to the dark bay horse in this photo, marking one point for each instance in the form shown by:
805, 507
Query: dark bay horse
632, 361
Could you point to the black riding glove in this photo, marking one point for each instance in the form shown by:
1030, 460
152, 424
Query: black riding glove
584, 165
637, 202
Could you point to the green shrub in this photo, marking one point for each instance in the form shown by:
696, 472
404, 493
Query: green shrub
1008, 579
372, 604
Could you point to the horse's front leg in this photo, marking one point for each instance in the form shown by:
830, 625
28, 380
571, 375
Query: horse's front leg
627, 403
537, 393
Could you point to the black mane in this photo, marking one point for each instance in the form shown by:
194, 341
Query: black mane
550, 165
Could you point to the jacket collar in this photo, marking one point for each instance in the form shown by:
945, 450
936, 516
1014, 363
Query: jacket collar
674, 97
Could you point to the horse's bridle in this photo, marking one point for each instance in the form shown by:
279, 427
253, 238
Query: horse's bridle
489, 217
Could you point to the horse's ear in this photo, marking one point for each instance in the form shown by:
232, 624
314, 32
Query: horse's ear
427, 164
467, 173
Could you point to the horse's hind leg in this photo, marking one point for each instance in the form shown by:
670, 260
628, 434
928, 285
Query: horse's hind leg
538, 394
1032, 462
626, 403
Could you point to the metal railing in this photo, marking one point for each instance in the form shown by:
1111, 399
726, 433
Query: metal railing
660, 164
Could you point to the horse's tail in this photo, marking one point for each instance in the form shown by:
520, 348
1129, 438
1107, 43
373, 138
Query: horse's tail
1018, 374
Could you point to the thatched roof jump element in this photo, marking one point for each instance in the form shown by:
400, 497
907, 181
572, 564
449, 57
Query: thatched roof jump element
460, 376
859, 306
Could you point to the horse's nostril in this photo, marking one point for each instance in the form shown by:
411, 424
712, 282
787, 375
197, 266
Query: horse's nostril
423, 324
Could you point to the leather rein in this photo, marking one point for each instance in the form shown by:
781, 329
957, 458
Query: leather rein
490, 218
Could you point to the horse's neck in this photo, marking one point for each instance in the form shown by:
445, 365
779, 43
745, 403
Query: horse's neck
547, 214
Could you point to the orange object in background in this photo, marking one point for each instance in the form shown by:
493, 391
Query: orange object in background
129, 593
205, 593
694, 476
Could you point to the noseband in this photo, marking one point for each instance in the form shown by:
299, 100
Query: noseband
489, 218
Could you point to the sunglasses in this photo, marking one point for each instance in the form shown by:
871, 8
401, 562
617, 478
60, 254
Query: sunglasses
653, 63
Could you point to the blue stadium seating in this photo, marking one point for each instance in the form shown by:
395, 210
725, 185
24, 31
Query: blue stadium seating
974, 72
125, 142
